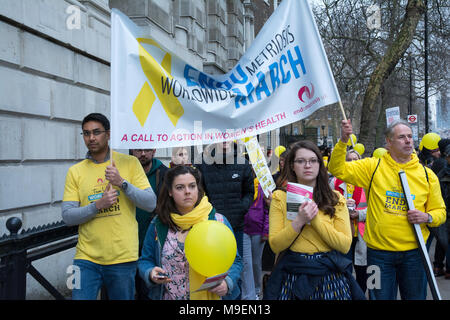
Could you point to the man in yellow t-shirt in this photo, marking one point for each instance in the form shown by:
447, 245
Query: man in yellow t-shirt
101, 198
391, 242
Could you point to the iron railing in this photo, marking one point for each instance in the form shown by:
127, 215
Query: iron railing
19, 250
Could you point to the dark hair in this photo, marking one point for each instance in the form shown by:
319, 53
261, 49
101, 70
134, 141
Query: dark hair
443, 143
425, 156
325, 198
130, 151
98, 117
166, 205
326, 152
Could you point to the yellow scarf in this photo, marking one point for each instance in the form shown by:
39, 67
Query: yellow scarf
185, 222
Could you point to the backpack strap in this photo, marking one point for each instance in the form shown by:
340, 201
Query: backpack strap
157, 179
371, 179
212, 214
426, 173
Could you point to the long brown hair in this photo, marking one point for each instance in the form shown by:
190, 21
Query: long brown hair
323, 195
165, 205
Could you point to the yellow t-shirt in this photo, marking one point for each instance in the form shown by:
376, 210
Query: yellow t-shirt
323, 234
111, 237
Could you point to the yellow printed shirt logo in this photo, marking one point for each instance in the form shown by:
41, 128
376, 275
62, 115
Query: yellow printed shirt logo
154, 73
97, 190
97, 194
396, 203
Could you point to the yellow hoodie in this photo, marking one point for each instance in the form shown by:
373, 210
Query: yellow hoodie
387, 226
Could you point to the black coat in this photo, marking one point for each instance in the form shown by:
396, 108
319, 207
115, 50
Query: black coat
229, 188
444, 179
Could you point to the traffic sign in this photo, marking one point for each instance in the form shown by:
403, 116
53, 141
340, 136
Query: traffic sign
412, 118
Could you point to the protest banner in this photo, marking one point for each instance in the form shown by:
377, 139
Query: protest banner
159, 101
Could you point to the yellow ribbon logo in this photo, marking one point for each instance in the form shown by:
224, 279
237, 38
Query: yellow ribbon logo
154, 73
350, 190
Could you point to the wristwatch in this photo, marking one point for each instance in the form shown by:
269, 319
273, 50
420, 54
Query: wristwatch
124, 185
430, 218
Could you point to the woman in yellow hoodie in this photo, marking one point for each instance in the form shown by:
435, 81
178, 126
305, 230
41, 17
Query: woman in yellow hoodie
389, 235
314, 267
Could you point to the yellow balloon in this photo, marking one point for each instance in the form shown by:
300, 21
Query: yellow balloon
430, 140
421, 145
352, 137
359, 147
378, 153
210, 248
279, 150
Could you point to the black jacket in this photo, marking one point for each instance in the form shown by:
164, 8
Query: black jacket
444, 179
229, 188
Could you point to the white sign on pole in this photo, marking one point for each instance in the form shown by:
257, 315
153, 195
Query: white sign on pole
415, 132
392, 114
259, 165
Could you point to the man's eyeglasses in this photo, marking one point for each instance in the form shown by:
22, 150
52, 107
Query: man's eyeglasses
311, 162
88, 133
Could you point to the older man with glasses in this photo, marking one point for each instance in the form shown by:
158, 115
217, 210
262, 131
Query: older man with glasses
391, 243
101, 197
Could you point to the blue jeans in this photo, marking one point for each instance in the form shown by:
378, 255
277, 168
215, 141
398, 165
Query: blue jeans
252, 271
239, 235
402, 270
117, 278
447, 260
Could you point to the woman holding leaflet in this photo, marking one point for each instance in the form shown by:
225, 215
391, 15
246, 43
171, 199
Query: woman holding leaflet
313, 267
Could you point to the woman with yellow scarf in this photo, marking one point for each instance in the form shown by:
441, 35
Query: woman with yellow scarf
163, 265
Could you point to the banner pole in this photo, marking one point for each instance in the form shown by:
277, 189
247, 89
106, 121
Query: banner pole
420, 240
345, 118
342, 110
109, 186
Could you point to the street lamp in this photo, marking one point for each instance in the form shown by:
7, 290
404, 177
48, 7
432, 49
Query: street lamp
324, 136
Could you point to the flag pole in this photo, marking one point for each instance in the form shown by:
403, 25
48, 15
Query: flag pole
109, 186
342, 110
345, 118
